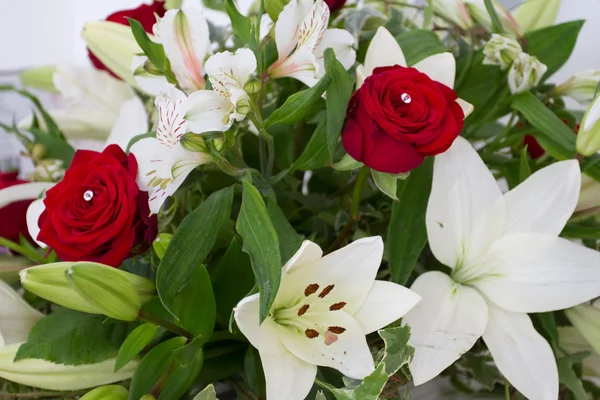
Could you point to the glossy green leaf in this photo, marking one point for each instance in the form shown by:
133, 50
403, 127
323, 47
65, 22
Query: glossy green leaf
154, 364
524, 168
137, 340
347, 163
496, 23
315, 154
298, 105
154, 51
418, 44
338, 97
567, 376
208, 393
161, 243
289, 241
547, 322
261, 244
407, 234
180, 274
187, 365
241, 25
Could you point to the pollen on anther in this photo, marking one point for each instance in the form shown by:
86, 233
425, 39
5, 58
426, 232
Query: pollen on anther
311, 333
337, 306
310, 289
337, 329
326, 291
303, 310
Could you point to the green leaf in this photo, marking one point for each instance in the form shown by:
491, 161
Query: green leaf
182, 281
187, 365
524, 168
338, 97
567, 377
387, 183
407, 234
134, 344
152, 367
154, 51
315, 154
418, 44
207, 394
241, 25
261, 244
298, 105
289, 241
73, 338
553, 45
547, 322
428, 13
496, 23
347, 163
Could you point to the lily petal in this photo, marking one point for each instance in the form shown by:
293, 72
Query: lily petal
228, 70
307, 253
383, 51
17, 317
444, 325
35, 209
545, 201
533, 272
287, 376
262, 336
465, 212
440, 67
208, 111
132, 121
522, 355
25, 191
466, 107
385, 303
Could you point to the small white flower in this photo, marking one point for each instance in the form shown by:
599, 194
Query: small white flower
581, 87
323, 310
302, 37
501, 51
525, 73
507, 260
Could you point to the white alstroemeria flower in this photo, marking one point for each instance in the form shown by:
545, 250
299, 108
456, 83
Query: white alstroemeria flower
301, 36
217, 109
384, 51
507, 260
323, 310
525, 73
185, 38
163, 163
17, 317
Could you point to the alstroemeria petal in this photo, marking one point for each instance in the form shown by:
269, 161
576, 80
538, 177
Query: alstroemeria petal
287, 376
522, 355
341, 41
533, 272
286, 27
171, 125
545, 201
465, 213
466, 107
444, 325
208, 111
17, 317
35, 209
383, 51
227, 70
344, 276
306, 254
302, 65
341, 344
132, 121
440, 67
385, 303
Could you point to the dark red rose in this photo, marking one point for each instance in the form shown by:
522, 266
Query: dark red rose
335, 5
398, 117
144, 13
12, 217
97, 212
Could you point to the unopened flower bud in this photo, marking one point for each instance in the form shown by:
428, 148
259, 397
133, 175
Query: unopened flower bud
536, 14
588, 138
193, 142
581, 87
147, 69
38, 151
242, 106
110, 392
480, 14
252, 86
161, 243
39, 78
525, 73
586, 318
501, 51
218, 144
48, 170
589, 196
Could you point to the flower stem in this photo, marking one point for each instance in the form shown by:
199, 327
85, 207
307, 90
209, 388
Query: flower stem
506, 390
144, 316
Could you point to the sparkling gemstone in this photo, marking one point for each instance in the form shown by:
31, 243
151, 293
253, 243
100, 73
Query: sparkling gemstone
406, 98
88, 195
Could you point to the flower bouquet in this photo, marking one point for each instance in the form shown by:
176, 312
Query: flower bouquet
315, 200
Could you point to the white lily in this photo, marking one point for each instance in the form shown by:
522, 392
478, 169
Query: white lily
301, 36
323, 310
507, 260
17, 317
185, 38
217, 109
536, 14
132, 121
163, 163
385, 51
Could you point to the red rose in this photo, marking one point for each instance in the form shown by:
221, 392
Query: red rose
97, 212
144, 13
335, 5
399, 116
13, 222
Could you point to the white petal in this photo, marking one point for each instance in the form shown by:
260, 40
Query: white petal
348, 352
264, 336
158, 163
545, 201
184, 35
287, 376
521, 354
151, 84
132, 121
465, 213
208, 111
302, 65
383, 51
287, 24
532, 272
444, 325
25, 191
35, 209
385, 303
171, 126
227, 70
79, 122
466, 107
17, 317
306, 254
440, 67
360, 76
351, 270
341, 41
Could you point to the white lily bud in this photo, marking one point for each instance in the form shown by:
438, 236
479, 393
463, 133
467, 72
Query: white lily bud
525, 73
455, 11
114, 45
39, 78
581, 87
480, 14
589, 196
502, 51
112, 392
536, 14
588, 138
573, 342
47, 375
586, 318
